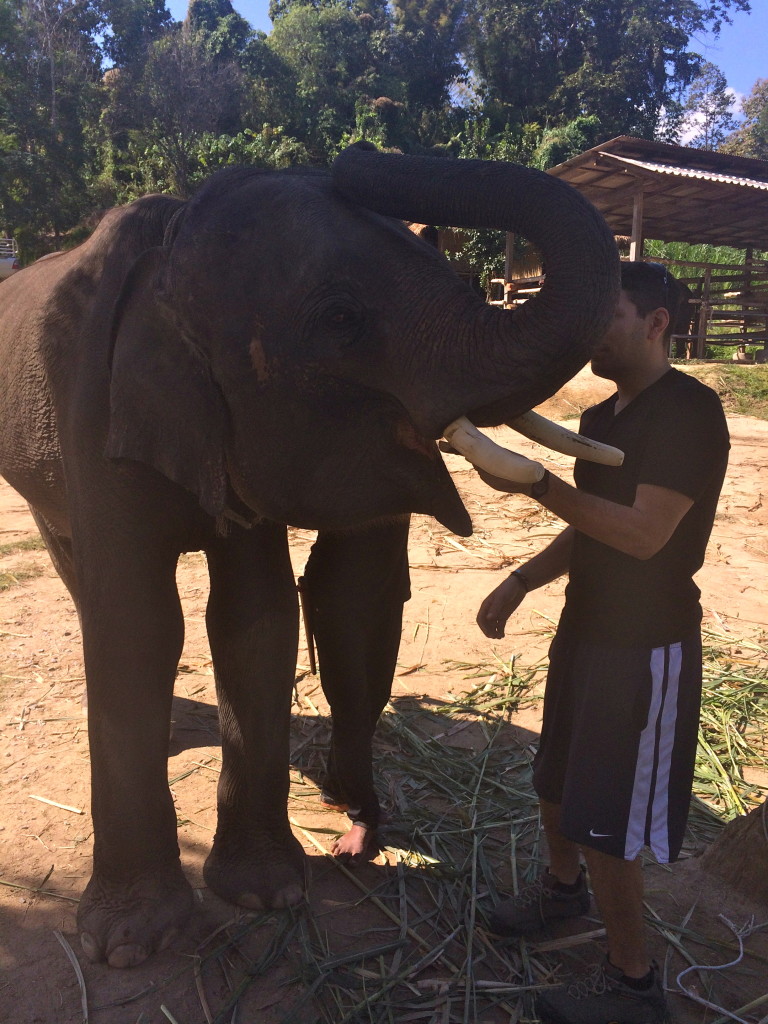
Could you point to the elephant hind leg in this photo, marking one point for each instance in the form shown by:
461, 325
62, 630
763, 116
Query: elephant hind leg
60, 550
356, 584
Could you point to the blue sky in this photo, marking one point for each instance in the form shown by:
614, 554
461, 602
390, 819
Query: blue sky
741, 51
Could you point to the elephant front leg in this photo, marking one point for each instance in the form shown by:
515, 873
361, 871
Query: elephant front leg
138, 898
253, 630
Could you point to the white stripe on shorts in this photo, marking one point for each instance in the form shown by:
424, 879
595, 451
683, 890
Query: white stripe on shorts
649, 805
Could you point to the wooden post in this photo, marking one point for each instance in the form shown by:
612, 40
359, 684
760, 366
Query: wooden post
749, 256
701, 341
637, 240
509, 259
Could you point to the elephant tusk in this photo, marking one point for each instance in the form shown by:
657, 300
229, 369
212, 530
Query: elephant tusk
481, 451
559, 439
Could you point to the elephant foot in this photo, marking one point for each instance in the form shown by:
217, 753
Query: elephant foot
125, 922
266, 875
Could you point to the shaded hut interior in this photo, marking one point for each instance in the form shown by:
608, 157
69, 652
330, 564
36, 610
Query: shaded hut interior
653, 190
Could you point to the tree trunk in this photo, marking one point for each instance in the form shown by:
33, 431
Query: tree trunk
739, 856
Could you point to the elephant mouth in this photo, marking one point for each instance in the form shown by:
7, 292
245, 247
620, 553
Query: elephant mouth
463, 438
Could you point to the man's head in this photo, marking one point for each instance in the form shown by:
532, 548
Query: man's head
637, 341
651, 286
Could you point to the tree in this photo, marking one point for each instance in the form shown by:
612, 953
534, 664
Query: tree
560, 144
554, 60
225, 32
161, 116
50, 69
737, 856
327, 49
427, 32
751, 139
708, 109
132, 26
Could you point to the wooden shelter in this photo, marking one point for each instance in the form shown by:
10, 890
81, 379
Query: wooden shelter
675, 194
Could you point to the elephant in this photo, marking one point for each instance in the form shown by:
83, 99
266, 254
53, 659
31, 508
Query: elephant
279, 350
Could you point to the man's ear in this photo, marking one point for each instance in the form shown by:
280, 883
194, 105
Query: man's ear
658, 322
165, 408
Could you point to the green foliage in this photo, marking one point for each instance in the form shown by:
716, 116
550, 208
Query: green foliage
132, 25
327, 51
553, 60
159, 114
752, 138
49, 100
560, 144
223, 32
528, 144
699, 253
708, 108
427, 33
742, 388
102, 99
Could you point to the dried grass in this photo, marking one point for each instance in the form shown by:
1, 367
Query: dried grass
463, 827
463, 830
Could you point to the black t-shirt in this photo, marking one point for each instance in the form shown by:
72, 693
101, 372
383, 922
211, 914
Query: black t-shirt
673, 435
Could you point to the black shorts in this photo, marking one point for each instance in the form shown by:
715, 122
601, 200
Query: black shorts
618, 743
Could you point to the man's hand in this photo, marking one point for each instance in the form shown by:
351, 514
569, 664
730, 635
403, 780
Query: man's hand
499, 605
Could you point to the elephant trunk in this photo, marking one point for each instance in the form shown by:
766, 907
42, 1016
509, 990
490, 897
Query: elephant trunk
503, 362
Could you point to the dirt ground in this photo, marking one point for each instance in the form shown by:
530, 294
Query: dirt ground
45, 831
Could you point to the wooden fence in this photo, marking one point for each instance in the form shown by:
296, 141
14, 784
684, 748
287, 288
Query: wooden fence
728, 304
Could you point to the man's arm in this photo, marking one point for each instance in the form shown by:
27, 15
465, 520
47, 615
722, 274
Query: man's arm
640, 530
548, 565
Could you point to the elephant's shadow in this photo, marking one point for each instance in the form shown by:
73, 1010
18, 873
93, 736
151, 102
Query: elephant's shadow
195, 724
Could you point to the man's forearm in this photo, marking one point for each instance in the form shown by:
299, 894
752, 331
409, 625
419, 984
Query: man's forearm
502, 602
639, 530
551, 563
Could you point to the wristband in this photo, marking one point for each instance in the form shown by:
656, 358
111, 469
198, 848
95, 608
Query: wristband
525, 582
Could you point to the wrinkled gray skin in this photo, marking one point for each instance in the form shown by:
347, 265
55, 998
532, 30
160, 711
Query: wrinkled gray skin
271, 352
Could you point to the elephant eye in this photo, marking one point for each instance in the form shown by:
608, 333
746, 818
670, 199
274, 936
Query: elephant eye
342, 319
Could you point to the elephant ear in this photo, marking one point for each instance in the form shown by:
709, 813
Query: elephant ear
165, 408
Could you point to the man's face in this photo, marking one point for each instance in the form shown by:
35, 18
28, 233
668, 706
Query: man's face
625, 345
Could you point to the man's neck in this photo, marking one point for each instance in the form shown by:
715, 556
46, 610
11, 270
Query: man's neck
629, 388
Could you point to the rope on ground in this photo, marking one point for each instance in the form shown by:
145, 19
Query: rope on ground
741, 933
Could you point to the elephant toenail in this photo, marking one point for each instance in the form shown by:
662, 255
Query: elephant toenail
251, 900
167, 938
90, 947
289, 897
129, 955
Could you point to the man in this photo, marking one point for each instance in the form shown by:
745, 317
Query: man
615, 763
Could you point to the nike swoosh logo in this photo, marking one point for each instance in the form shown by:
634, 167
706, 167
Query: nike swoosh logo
599, 835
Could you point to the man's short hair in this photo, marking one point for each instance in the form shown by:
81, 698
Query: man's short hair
651, 285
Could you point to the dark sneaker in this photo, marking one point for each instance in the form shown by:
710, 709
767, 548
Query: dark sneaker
602, 996
537, 904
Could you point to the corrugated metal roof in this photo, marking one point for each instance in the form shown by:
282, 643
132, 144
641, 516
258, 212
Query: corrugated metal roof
689, 195
687, 172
